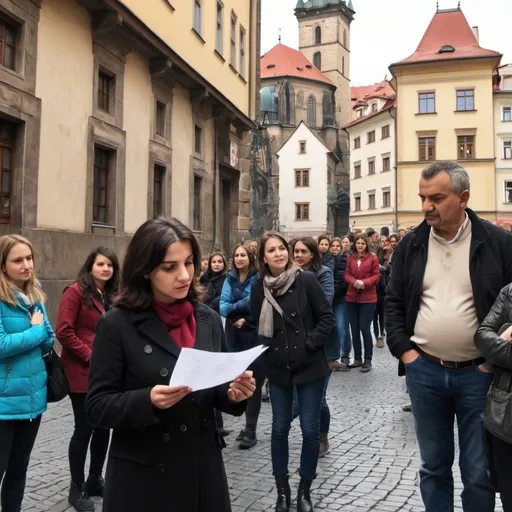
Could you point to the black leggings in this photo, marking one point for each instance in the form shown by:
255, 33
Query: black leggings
378, 318
80, 442
252, 412
502, 457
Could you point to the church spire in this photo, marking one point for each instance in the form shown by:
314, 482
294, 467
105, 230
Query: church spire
300, 4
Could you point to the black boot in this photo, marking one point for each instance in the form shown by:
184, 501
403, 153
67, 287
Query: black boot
95, 485
283, 494
79, 498
249, 439
303, 498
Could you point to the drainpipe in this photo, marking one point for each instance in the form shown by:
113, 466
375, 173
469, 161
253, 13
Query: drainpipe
396, 171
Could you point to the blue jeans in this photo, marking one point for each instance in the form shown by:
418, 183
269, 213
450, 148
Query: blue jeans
361, 316
342, 326
438, 396
310, 398
325, 412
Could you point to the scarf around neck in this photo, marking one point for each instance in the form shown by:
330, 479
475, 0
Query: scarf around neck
274, 287
179, 320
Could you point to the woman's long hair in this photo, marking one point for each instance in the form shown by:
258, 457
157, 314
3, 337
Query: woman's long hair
364, 238
32, 288
88, 288
310, 243
260, 261
252, 260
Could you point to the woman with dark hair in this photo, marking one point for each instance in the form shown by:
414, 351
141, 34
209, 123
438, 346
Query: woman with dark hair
165, 449
362, 275
213, 279
241, 333
335, 247
295, 320
324, 243
80, 308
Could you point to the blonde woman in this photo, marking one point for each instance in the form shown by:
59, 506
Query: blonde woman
25, 338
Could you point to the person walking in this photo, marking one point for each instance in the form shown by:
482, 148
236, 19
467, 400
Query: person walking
446, 275
362, 275
80, 308
165, 450
25, 338
295, 320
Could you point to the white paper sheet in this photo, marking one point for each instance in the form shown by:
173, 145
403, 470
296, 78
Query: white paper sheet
199, 369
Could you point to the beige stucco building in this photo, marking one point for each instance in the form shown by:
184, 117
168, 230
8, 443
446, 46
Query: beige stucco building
444, 98
112, 112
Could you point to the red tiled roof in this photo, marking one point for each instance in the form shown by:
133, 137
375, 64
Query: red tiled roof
360, 95
390, 103
284, 61
448, 28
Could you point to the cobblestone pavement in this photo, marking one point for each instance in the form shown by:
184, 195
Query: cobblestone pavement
372, 464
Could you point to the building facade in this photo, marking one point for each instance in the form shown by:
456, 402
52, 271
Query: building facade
114, 112
445, 112
503, 142
306, 171
373, 158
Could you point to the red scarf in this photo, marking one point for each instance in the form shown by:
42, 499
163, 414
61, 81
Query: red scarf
178, 318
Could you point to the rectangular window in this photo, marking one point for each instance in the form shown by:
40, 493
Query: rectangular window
374, 107
357, 171
385, 132
106, 84
160, 116
386, 199
198, 139
507, 192
427, 148
7, 131
370, 137
427, 102
359, 112
233, 40
357, 204
198, 16
371, 167
357, 142
158, 190
242, 52
102, 163
8, 36
302, 147
219, 41
386, 163
465, 147
301, 211
507, 150
302, 178
371, 201
507, 114
198, 217
465, 100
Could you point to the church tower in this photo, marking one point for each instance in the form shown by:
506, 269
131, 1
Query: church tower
324, 38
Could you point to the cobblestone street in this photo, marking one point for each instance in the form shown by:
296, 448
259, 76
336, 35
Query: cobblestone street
372, 464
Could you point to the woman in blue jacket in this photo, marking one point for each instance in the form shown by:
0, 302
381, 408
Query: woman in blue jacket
25, 338
241, 331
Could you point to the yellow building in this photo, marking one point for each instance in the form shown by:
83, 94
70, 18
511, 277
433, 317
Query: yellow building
112, 112
445, 112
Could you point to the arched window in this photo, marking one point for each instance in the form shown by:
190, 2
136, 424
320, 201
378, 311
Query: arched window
317, 60
343, 66
345, 37
318, 35
287, 104
311, 112
328, 109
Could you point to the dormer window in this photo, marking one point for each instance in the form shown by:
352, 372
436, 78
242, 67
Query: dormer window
446, 49
374, 107
359, 112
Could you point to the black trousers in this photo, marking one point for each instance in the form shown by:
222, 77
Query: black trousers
82, 435
378, 318
252, 412
502, 458
17, 438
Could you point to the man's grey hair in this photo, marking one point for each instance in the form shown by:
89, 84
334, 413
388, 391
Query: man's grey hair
458, 175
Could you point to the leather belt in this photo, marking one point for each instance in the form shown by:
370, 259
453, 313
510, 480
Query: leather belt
451, 364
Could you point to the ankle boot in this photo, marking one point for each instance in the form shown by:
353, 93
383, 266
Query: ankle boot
249, 439
95, 485
303, 498
79, 498
283, 494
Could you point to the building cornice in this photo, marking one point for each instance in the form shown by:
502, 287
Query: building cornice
462, 162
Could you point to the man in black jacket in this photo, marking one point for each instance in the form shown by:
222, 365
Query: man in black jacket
446, 275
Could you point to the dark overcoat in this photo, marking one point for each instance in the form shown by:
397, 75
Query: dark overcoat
159, 461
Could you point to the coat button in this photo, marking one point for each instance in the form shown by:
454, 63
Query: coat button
281, 332
161, 467
164, 372
294, 314
148, 349
183, 428
296, 332
166, 438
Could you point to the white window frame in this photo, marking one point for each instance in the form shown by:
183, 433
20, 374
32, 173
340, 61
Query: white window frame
198, 16
509, 109
219, 29
505, 188
507, 149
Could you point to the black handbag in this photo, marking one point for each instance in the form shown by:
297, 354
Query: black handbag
498, 406
57, 385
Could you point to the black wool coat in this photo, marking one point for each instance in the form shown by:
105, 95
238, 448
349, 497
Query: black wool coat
296, 354
159, 461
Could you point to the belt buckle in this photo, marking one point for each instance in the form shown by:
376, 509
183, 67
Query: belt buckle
449, 364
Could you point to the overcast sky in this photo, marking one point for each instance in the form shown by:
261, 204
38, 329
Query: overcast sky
385, 32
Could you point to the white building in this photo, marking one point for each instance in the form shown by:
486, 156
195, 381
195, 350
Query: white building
503, 143
372, 157
306, 171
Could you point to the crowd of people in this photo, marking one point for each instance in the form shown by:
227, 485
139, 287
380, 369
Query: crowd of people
312, 302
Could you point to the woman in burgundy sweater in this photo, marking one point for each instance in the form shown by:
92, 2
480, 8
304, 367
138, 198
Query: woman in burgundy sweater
362, 275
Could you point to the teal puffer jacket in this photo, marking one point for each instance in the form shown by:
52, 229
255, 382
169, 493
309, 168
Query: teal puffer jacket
22, 369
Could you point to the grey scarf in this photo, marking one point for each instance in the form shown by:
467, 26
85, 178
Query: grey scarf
274, 287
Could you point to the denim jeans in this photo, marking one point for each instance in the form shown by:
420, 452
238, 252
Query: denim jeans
325, 412
310, 398
343, 328
438, 396
17, 438
361, 316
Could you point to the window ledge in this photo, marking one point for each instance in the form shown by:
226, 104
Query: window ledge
233, 69
219, 55
198, 35
101, 225
244, 80
302, 220
170, 5
373, 142
426, 114
506, 120
12, 72
463, 111
386, 170
384, 138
